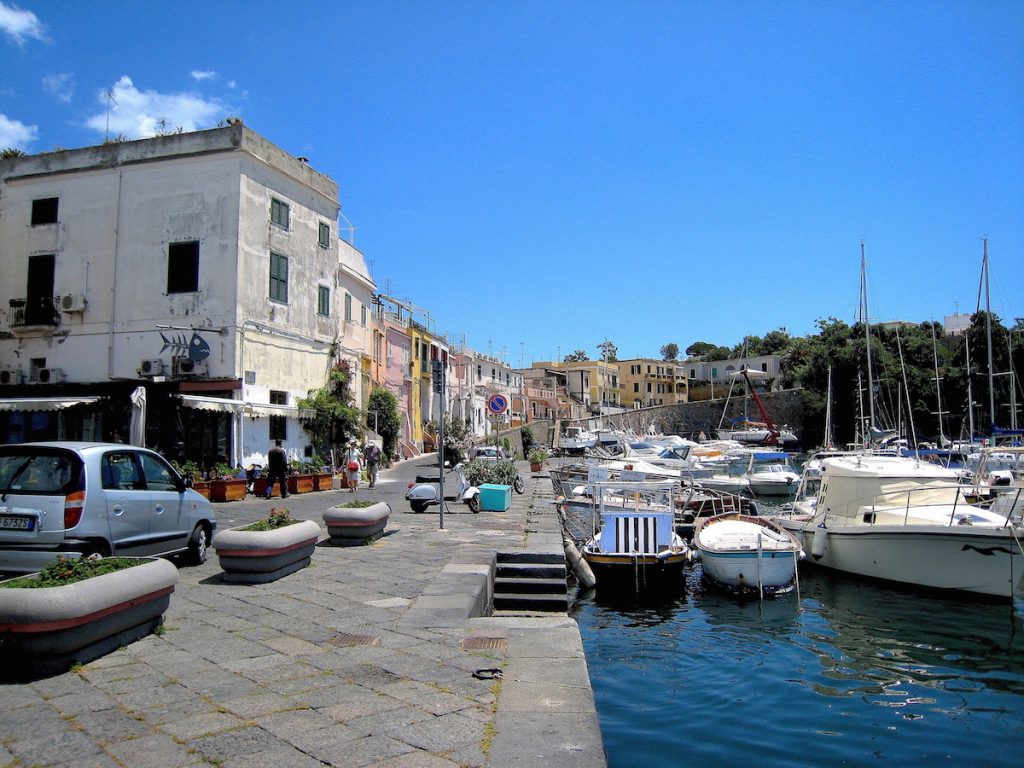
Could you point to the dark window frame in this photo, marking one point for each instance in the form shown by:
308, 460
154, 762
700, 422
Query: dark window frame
280, 213
324, 237
323, 301
45, 210
278, 290
183, 266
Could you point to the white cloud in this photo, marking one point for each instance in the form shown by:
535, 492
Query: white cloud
138, 114
203, 74
60, 86
15, 134
20, 25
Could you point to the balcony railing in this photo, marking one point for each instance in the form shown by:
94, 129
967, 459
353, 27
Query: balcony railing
35, 310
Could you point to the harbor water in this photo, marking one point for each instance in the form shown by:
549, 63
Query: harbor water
848, 673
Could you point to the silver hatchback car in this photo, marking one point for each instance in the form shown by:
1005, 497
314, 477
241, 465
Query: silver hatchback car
75, 499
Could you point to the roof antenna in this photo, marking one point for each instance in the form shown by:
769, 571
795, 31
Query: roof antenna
110, 100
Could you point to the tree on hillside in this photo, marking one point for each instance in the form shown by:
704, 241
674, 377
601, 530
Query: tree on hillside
609, 351
578, 356
670, 351
707, 351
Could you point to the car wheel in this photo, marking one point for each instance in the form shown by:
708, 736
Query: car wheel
418, 506
473, 502
197, 545
100, 548
518, 485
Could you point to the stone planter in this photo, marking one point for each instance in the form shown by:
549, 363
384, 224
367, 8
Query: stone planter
46, 630
300, 483
256, 557
322, 481
356, 525
227, 490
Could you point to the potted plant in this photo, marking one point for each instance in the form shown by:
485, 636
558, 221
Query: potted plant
74, 611
301, 479
267, 549
225, 485
357, 522
322, 474
190, 471
537, 457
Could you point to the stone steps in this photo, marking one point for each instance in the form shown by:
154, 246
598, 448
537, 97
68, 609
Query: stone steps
530, 582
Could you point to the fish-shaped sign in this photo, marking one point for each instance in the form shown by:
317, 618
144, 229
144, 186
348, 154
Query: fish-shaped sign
196, 349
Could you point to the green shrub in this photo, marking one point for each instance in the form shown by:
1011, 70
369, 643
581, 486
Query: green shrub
278, 518
64, 570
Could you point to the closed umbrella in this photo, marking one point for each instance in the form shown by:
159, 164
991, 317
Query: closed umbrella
137, 435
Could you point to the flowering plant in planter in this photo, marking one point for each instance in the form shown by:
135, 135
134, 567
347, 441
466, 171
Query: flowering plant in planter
267, 549
64, 570
278, 518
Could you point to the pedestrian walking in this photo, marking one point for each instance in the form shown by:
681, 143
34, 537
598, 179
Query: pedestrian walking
372, 456
352, 465
277, 469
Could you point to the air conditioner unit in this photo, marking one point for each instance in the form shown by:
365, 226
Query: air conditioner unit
153, 367
49, 375
12, 377
185, 366
72, 302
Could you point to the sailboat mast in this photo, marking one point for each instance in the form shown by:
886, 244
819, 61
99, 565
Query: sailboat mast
970, 393
988, 323
938, 388
867, 334
828, 412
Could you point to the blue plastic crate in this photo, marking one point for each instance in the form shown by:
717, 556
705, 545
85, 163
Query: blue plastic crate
495, 498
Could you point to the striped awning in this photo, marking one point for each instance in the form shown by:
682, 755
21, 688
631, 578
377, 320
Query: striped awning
220, 404
45, 403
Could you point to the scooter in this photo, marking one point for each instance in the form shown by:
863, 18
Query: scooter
423, 492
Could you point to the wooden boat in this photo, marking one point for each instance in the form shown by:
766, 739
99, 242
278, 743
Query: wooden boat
636, 545
746, 554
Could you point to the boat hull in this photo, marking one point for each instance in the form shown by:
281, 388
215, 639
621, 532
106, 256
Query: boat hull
964, 559
772, 572
637, 571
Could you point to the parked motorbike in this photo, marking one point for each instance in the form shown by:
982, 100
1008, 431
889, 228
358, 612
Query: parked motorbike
424, 491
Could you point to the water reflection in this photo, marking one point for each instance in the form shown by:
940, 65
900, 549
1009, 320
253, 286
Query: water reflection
850, 673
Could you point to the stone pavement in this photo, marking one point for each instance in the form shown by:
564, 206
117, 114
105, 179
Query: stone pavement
378, 655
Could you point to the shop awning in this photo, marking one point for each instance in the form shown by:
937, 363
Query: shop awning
45, 403
202, 403
238, 406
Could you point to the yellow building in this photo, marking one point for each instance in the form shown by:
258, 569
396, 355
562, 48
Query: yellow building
644, 382
593, 382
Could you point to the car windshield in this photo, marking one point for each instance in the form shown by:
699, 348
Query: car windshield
24, 469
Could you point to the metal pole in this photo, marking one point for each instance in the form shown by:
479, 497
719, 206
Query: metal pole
440, 452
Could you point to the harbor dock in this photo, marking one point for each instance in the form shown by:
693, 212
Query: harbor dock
389, 654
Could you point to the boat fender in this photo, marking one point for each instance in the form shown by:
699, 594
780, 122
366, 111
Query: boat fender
579, 566
820, 542
753, 508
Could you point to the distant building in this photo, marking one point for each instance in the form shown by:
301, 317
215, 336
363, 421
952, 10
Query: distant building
721, 371
644, 382
955, 325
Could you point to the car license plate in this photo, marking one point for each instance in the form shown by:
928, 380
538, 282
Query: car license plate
12, 523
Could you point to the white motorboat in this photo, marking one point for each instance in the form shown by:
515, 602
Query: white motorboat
907, 521
746, 554
770, 473
576, 440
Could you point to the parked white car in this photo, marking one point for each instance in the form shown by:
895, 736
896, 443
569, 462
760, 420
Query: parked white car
75, 499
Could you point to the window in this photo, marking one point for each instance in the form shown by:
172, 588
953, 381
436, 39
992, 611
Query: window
44, 211
323, 301
278, 424
636, 386
278, 277
348, 308
159, 476
325, 235
362, 314
183, 267
278, 213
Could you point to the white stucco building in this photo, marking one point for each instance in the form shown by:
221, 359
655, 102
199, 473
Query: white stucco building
203, 267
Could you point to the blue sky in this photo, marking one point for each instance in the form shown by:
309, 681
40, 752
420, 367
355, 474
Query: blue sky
541, 176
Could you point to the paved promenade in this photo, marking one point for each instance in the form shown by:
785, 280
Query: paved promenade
365, 658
